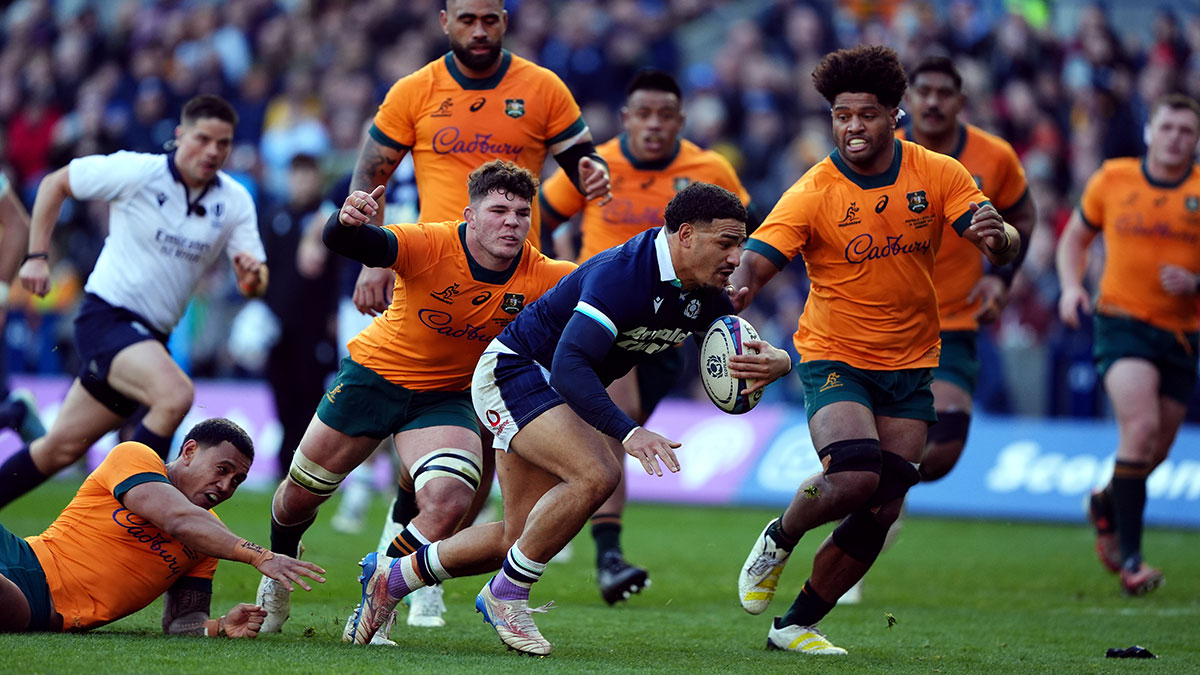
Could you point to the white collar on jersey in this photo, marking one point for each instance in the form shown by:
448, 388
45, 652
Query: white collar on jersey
666, 269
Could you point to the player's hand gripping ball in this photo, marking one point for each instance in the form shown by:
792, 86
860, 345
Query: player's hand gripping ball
725, 338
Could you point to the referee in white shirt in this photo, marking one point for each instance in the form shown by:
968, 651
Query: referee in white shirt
170, 216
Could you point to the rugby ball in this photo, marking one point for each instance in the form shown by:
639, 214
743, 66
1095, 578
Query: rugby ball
724, 339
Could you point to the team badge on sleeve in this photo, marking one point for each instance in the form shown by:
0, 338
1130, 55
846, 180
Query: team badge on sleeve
917, 201
513, 303
514, 107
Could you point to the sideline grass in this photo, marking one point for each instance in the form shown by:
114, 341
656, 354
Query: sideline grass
968, 597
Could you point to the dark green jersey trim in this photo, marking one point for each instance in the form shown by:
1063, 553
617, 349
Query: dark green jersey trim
964, 221
135, 480
383, 139
475, 83
577, 127
654, 165
962, 141
767, 251
871, 182
481, 273
1164, 184
1087, 222
1017, 204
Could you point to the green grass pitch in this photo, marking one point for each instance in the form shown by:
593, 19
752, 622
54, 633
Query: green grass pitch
967, 596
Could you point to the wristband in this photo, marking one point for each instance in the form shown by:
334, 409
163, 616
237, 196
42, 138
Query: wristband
1002, 249
629, 435
40, 255
250, 553
4, 289
215, 628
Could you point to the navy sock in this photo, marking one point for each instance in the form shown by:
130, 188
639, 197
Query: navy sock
159, 444
19, 475
12, 413
807, 610
285, 539
404, 509
606, 530
1129, 505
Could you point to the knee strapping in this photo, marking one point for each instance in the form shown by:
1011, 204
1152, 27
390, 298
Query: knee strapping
859, 454
897, 477
951, 426
314, 477
447, 463
861, 536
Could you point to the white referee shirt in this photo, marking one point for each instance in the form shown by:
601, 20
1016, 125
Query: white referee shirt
156, 250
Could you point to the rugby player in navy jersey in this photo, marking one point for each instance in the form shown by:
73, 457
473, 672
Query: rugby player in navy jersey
540, 389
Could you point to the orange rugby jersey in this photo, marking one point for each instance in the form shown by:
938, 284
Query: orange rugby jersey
453, 123
1145, 224
640, 191
998, 172
104, 562
446, 308
868, 244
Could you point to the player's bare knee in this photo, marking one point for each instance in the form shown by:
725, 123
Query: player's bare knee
1141, 434
175, 401
55, 451
442, 504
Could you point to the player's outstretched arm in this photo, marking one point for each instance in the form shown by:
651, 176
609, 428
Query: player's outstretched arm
765, 365
166, 507
35, 271
748, 279
1070, 259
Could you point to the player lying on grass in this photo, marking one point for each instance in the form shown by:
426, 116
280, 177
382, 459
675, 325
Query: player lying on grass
137, 529
540, 388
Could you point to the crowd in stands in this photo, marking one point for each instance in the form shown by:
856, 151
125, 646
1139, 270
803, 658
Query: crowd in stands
89, 76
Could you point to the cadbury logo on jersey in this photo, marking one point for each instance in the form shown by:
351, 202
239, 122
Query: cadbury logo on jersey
449, 141
440, 323
917, 201
863, 248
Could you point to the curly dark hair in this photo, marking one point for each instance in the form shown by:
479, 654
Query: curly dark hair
213, 432
504, 176
702, 203
867, 69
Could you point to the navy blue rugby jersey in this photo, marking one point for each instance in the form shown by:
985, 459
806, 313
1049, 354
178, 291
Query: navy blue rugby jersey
632, 291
